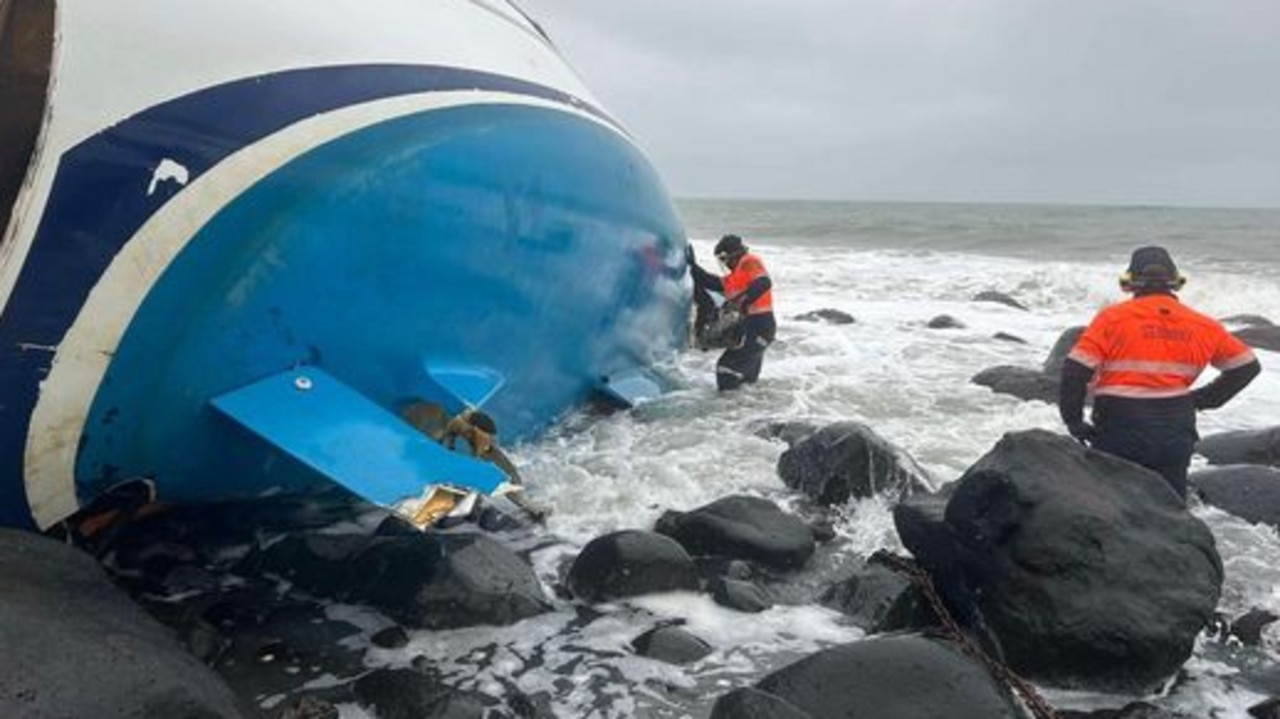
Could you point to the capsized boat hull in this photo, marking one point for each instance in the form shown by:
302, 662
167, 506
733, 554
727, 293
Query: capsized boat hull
375, 221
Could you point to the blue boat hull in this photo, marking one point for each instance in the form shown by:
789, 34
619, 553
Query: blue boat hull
525, 240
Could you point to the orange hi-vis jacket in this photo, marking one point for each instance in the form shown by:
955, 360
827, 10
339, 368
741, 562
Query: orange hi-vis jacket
1153, 347
748, 269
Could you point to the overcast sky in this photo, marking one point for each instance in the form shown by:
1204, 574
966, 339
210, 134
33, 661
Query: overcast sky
1094, 101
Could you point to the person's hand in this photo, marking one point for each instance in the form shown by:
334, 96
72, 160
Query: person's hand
689, 256
1083, 432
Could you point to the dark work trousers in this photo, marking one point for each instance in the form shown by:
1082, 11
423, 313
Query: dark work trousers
1159, 434
741, 364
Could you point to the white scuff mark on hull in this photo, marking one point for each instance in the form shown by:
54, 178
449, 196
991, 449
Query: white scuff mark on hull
168, 170
30, 346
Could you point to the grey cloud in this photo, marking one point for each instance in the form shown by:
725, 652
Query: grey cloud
1146, 101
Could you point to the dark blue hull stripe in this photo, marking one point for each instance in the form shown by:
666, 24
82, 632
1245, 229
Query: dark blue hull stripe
99, 200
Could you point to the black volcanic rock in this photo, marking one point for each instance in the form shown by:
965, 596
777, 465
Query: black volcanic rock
1249, 446
1030, 383
751, 703
1000, 297
1021, 382
1248, 491
672, 645
73, 645
900, 676
431, 580
879, 599
945, 322
1264, 338
849, 460
742, 527
1088, 568
630, 563
830, 316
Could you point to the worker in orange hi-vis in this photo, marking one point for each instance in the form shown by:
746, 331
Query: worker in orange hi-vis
748, 292
1142, 356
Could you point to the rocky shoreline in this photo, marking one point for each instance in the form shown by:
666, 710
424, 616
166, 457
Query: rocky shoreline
1063, 566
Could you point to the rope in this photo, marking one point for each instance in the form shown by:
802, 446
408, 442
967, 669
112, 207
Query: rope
1036, 703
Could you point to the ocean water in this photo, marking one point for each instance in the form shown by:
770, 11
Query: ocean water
893, 267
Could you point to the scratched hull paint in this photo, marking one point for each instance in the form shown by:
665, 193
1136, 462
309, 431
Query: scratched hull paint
400, 203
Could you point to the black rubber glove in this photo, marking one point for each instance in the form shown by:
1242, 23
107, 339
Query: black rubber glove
1083, 432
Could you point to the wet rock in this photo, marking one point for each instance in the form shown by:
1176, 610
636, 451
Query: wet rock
630, 563
1028, 383
789, 431
740, 595
430, 580
742, 527
879, 599
1263, 338
278, 644
73, 645
898, 675
1247, 320
849, 460
831, 317
1269, 709
672, 645
1020, 382
411, 694
824, 530
1088, 569
390, 638
310, 708
1248, 491
945, 322
1248, 446
1006, 337
1249, 627
1134, 710
751, 703
1000, 297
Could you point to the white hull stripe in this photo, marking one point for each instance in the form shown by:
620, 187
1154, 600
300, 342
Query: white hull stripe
85, 352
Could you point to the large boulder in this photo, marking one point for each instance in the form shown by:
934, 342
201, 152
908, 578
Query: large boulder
1087, 568
1246, 446
848, 460
630, 563
742, 527
1248, 320
1021, 382
1028, 383
900, 676
73, 645
431, 580
1245, 490
1260, 337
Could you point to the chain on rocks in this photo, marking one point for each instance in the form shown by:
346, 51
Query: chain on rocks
1036, 703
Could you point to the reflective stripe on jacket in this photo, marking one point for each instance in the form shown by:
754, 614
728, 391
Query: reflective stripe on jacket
1153, 346
748, 269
